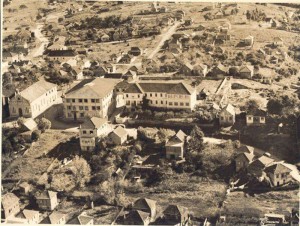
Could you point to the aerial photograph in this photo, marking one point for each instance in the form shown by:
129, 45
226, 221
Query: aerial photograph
150, 113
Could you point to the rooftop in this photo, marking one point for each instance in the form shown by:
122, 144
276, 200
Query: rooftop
94, 122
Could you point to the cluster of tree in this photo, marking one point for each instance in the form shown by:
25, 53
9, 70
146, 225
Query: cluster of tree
53, 76
112, 21
256, 15
287, 72
284, 104
205, 114
11, 141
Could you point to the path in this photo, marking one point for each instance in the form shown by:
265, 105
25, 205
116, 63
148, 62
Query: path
166, 36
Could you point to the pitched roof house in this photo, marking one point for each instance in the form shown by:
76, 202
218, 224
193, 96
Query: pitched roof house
9, 205
176, 215
278, 174
256, 167
242, 160
118, 136
30, 216
137, 217
175, 146
47, 200
82, 219
219, 71
246, 149
227, 115
256, 117
246, 71
146, 205
55, 218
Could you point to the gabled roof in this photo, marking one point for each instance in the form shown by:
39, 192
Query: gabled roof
120, 131
246, 149
92, 88
137, 216
151, 204
248, 156
188, 65
81, 219
93, 123
246, 68
30, 124
178, 138
175, 210
229, 108
27, 214
53, 218
257, 112
8, 200
277, 168
261, 162
165, 87
36, 90
46, 195
134, 88
221, 67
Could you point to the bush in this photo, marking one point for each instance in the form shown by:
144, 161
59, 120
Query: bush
23, 7
44, 124
35, 135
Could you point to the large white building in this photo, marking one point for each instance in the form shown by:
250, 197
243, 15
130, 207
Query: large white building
161, 94
34, 100
90, 97
91, 130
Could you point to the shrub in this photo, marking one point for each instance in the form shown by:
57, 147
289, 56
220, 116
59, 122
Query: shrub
35, 135
44, 124
23, 7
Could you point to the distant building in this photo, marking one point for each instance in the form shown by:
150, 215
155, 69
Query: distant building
219, 71
47, 200
246, 149
55, 218
10, 205
61, 55
161, 94
176, 215
246, 71
175, 146
29, 216
90, 97
137, 217
136, 51
34, 100
146, 205
249, 40
256, 167
118, 136
278, 174
227, 116
82, 219
243, 160
91, 130
256, 117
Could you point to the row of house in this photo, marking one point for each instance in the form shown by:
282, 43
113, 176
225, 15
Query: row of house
11, 212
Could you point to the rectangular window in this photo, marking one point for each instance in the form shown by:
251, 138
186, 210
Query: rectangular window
171, 103
156, 102
74, 108
93, 108
80, 107
155, 94
93, 100
73, 100
138, 95
150, 94
162, 102
161, 95
176, 103
85, 100
86, 108
69, 115
68, 100
97, 101
80, 100
91, 132
181, 103
81, 115
127, 102
69, 107
83, 131
187, 104
126, 95
98, 107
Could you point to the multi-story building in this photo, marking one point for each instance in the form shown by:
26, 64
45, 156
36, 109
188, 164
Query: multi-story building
91, 130
90, 97
34, 100
161, 95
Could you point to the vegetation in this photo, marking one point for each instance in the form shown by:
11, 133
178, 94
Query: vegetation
43, 124
35, 135
283, 105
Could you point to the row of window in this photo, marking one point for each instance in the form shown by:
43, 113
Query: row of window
161, 95
182, 104
86, 131
81, 108
229, 118
282, 175
179, 104
82, 100
261, 118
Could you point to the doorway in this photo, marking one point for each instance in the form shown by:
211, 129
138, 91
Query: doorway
20, 112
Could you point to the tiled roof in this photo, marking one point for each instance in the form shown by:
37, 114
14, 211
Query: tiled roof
257, 112
164, 87
46, 195
137, 217
94, 122
36, 90
92, 88
248, 156
134, 88
246, 148
229, 108
277, 168
120, 131
151, 204
175, 210
27, 214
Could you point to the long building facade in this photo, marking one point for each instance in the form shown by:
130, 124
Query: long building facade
91, 97
34, 100
161, 95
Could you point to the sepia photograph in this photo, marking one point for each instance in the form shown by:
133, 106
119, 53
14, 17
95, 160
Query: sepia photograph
150, 113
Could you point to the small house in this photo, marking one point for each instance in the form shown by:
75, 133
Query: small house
126, 59
249, 40
82, 219
278, 173
246, 71
147, 206
135, 51
175, 146
243, 160
118, 136
200, 70
10, 205
104, 38
186, 69
218, 71
267, 75
24, 188
257, 166
137, 217
30, 216
176, 215
256, 117
47, 200
278, 41
55, 218
246, 149
227, 116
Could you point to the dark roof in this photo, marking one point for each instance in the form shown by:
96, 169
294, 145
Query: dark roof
46, 195
6, 54
277, 168
261, 162
134, 88
53, 218
179, 137
175, 210
81, 219
257, 112
137, 217
94, 122
164, 87
61, 53
246, 148
113, 75
151, 204
248, 156
8, 91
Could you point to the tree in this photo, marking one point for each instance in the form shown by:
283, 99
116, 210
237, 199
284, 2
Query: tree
195, 143
44, 124
283, 104
35, 135
81, 171
21, 121
251, 105
164, 134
